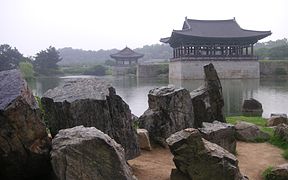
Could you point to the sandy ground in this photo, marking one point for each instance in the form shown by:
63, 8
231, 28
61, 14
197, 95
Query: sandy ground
253, 158
155, 164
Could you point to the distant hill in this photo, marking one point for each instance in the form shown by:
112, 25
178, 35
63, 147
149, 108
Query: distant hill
265, 50
72, 56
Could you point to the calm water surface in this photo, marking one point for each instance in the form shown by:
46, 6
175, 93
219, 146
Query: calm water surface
273, 94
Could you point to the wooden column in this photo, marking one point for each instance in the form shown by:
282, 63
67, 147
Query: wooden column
252, 53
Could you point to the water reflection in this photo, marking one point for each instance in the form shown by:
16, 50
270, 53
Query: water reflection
270, 92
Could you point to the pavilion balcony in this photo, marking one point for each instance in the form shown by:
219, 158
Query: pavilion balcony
214, 58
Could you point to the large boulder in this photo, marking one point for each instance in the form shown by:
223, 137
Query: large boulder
281, 131
249, 132
219, 133
170, 110
252, 107
276, 119
24, 142
92, 103
279, 172
199, 159
208, 100
86, 153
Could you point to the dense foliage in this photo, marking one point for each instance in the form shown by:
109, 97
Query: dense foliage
81, 57
46, 61
26, 69
9, 57
97, 70
274, 50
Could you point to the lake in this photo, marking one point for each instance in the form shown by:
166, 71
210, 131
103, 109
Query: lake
272, 93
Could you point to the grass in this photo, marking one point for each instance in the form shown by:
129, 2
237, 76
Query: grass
259, 121
267, 172
268, 61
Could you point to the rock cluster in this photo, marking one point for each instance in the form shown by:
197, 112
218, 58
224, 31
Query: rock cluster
170, 110
92, 103
252, 107
197, 158
24, 142
219, 133
279, 172
282, 131
208, 100
276, 119
87, 153
249, 132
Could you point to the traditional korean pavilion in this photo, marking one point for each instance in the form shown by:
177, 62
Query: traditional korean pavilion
126, 57
223, 42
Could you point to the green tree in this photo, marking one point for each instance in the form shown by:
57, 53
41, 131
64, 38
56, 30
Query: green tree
26, 69
97, 70
46, 61
9, 57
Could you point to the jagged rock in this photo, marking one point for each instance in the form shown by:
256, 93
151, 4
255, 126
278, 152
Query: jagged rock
143, 138
279, 172
219, 133
92, 103
276, 119
282, 131
86, 153
252, 107
249, 132
24, 143
208, 100
170, 110
177, 175
198, 158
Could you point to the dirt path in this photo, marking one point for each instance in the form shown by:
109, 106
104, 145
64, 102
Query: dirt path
253, 158
155, 164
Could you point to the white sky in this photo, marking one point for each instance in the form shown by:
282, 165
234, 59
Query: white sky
34, 25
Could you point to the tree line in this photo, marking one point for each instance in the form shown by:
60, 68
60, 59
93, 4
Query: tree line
273, 50
78, 56
43, 63
46, 62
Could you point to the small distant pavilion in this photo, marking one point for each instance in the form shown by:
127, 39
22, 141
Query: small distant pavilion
126, 57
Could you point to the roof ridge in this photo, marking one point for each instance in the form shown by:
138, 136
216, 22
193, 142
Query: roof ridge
203, 20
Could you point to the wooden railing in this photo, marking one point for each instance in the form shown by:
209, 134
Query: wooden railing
216, 58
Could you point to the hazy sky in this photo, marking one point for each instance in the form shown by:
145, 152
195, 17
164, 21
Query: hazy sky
33, 25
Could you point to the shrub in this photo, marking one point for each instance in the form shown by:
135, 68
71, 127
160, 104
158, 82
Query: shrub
27, 70
267, 172
97, 70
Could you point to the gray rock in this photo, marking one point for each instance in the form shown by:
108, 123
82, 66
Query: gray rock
170, 110
208, 99
92, 103
87, 153
143, 138
198, 158
219, 133
252, 107
276, 119
278, 114
249, 132
24, 142
279, 172
177, 175
282, 131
